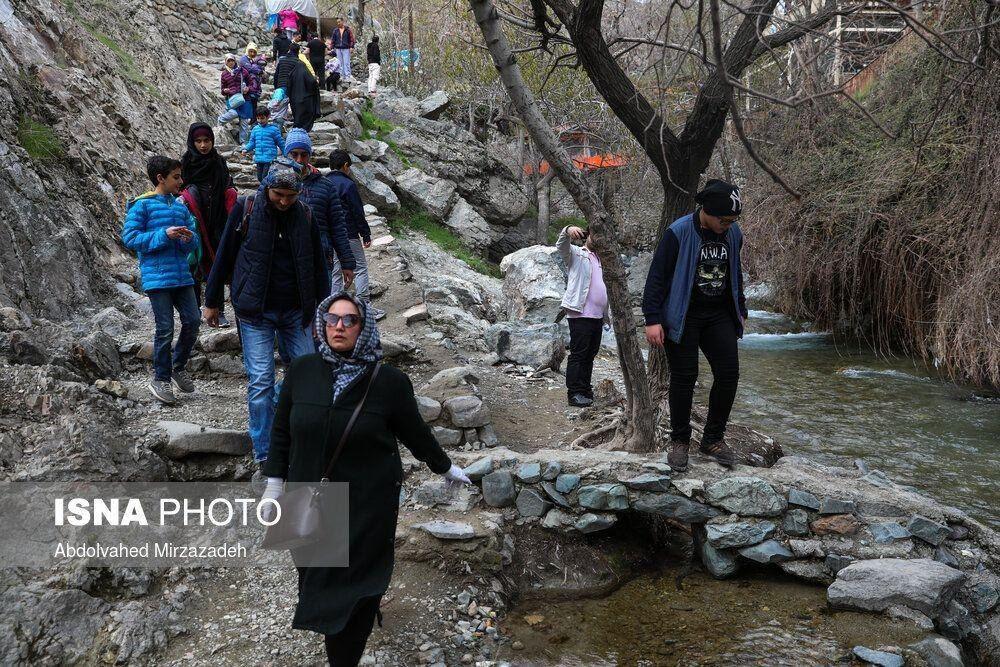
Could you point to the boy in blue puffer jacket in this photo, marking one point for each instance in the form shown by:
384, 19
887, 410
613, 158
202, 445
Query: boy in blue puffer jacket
162, 232
265, 143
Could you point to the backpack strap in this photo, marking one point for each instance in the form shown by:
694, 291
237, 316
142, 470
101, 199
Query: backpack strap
247, 201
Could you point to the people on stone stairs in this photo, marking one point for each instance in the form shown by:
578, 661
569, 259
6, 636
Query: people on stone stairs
585, 305
343, 41
317, 58
374, 56
209, 195
280, 44
322, 198
332, 71
266, 143
234, 93
358, 233
253, 65
342, 603
694, 299
302, 90
161, 231
272, 257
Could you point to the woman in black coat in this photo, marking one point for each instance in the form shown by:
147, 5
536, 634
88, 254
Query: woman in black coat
319, 394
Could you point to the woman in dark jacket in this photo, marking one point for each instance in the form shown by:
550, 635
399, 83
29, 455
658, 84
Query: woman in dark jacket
303, 91
319, 394
317, 58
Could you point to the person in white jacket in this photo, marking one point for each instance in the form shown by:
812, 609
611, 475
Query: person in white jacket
585, 305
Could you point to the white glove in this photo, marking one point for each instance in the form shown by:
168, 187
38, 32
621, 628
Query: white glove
456, 476
275, 487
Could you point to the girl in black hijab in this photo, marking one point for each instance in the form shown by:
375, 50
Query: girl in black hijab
209, 195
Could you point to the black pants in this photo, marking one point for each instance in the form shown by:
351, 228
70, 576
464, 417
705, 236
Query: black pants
345, 648
713, 331
262, 169
584, 344
332, 80
319, 66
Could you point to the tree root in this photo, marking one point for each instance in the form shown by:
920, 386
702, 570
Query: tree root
584, 440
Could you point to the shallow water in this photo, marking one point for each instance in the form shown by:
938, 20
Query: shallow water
750, 620
839, 403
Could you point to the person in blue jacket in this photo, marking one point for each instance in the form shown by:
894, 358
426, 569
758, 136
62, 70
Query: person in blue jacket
694, 299
266, 143
162, 231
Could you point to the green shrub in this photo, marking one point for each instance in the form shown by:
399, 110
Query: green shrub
555, 226
41, 141
413, 219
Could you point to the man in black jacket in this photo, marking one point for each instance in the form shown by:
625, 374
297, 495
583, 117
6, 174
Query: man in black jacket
272, 256
280, 44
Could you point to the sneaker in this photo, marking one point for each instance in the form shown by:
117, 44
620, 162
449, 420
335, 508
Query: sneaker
160, 389
678, 456
182, 380
223, 322
580, 401
719, 451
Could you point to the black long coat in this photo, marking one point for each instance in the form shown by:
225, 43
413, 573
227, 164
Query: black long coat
302, 443
303, 96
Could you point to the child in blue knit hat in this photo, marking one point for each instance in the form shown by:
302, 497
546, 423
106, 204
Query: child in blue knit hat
298, 138
265, 143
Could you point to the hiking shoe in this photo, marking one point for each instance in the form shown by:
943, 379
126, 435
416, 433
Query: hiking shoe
223, 322
580, 401
182, 380
160, 389
719, 451
677, 459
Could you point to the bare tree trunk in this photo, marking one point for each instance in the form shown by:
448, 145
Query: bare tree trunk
543, 195
410, 33
361, 19
640, 432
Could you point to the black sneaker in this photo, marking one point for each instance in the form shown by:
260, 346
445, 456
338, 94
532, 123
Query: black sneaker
160, 389
678, 456
580, 401
719, 451
182, 380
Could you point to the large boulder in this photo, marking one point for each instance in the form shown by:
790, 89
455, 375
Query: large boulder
434, 105
435, 195
535, 345
96, 356
469, 226
373, 190
922, 584
533, 285
184, 439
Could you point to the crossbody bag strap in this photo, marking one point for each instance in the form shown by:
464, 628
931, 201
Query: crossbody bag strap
350, 423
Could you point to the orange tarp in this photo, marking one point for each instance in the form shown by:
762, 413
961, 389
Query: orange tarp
592, 163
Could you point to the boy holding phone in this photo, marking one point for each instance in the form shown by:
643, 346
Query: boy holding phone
161, 230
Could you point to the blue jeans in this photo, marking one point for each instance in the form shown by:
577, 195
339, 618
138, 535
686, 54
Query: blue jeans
232, 114
163, 302
258, 358
262, 169
344, 60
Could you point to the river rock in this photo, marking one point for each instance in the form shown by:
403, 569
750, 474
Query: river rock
796, 522
837, 562
529, 473
837, 524
738, 534
184, 439
447, 437
927, 530
429, 408
719, 563
448, 530
901, 613
876, 585
880, 658
487, 435
555, 496
552, 470
771, 551
498, 489
938, 652
592, 523
533, 284
531, 503
535, 345
648, 482
837, 506
806, 548
603, 497
984, 596
747, 496
807, 570
479, 469
803, 499
566, 482
467, 411
884, 533
675, 507
434, 195
556, 518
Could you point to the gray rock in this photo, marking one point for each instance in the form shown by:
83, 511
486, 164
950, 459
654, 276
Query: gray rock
803, 499
807, 570
432, 493
498, 489
56, 627
603, 497
226, 365
469, 226
455, 381
663, 469
796, 522
807, 548
479, 469
675, 507
943, 555
448, 530
557, 518
487, 435
184, 439
884, 533
880, 658
738, 533
771, 551
396, 348
220, 340
901, 613
876, 585
529, 473
747, 496
648, 482
984, 596
447, 437
429, 408
552, 470
416, 313
433, 105
837, 506
96, 356
434, 195
372, 190
12, 319
555, 496
531, 503
938, 652
927, 530
534, 345
566, 482
467, 411
956, 622
688, 486
837, 562
592, 523
719, 563
533, 285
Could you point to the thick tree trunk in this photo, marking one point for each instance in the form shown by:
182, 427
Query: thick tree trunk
640, 434
543, 195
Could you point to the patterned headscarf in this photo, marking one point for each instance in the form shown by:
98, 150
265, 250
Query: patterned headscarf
284, 173
367, 350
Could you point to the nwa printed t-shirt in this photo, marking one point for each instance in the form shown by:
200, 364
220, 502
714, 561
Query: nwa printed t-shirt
711, 276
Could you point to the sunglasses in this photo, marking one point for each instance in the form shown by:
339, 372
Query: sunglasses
333, 320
